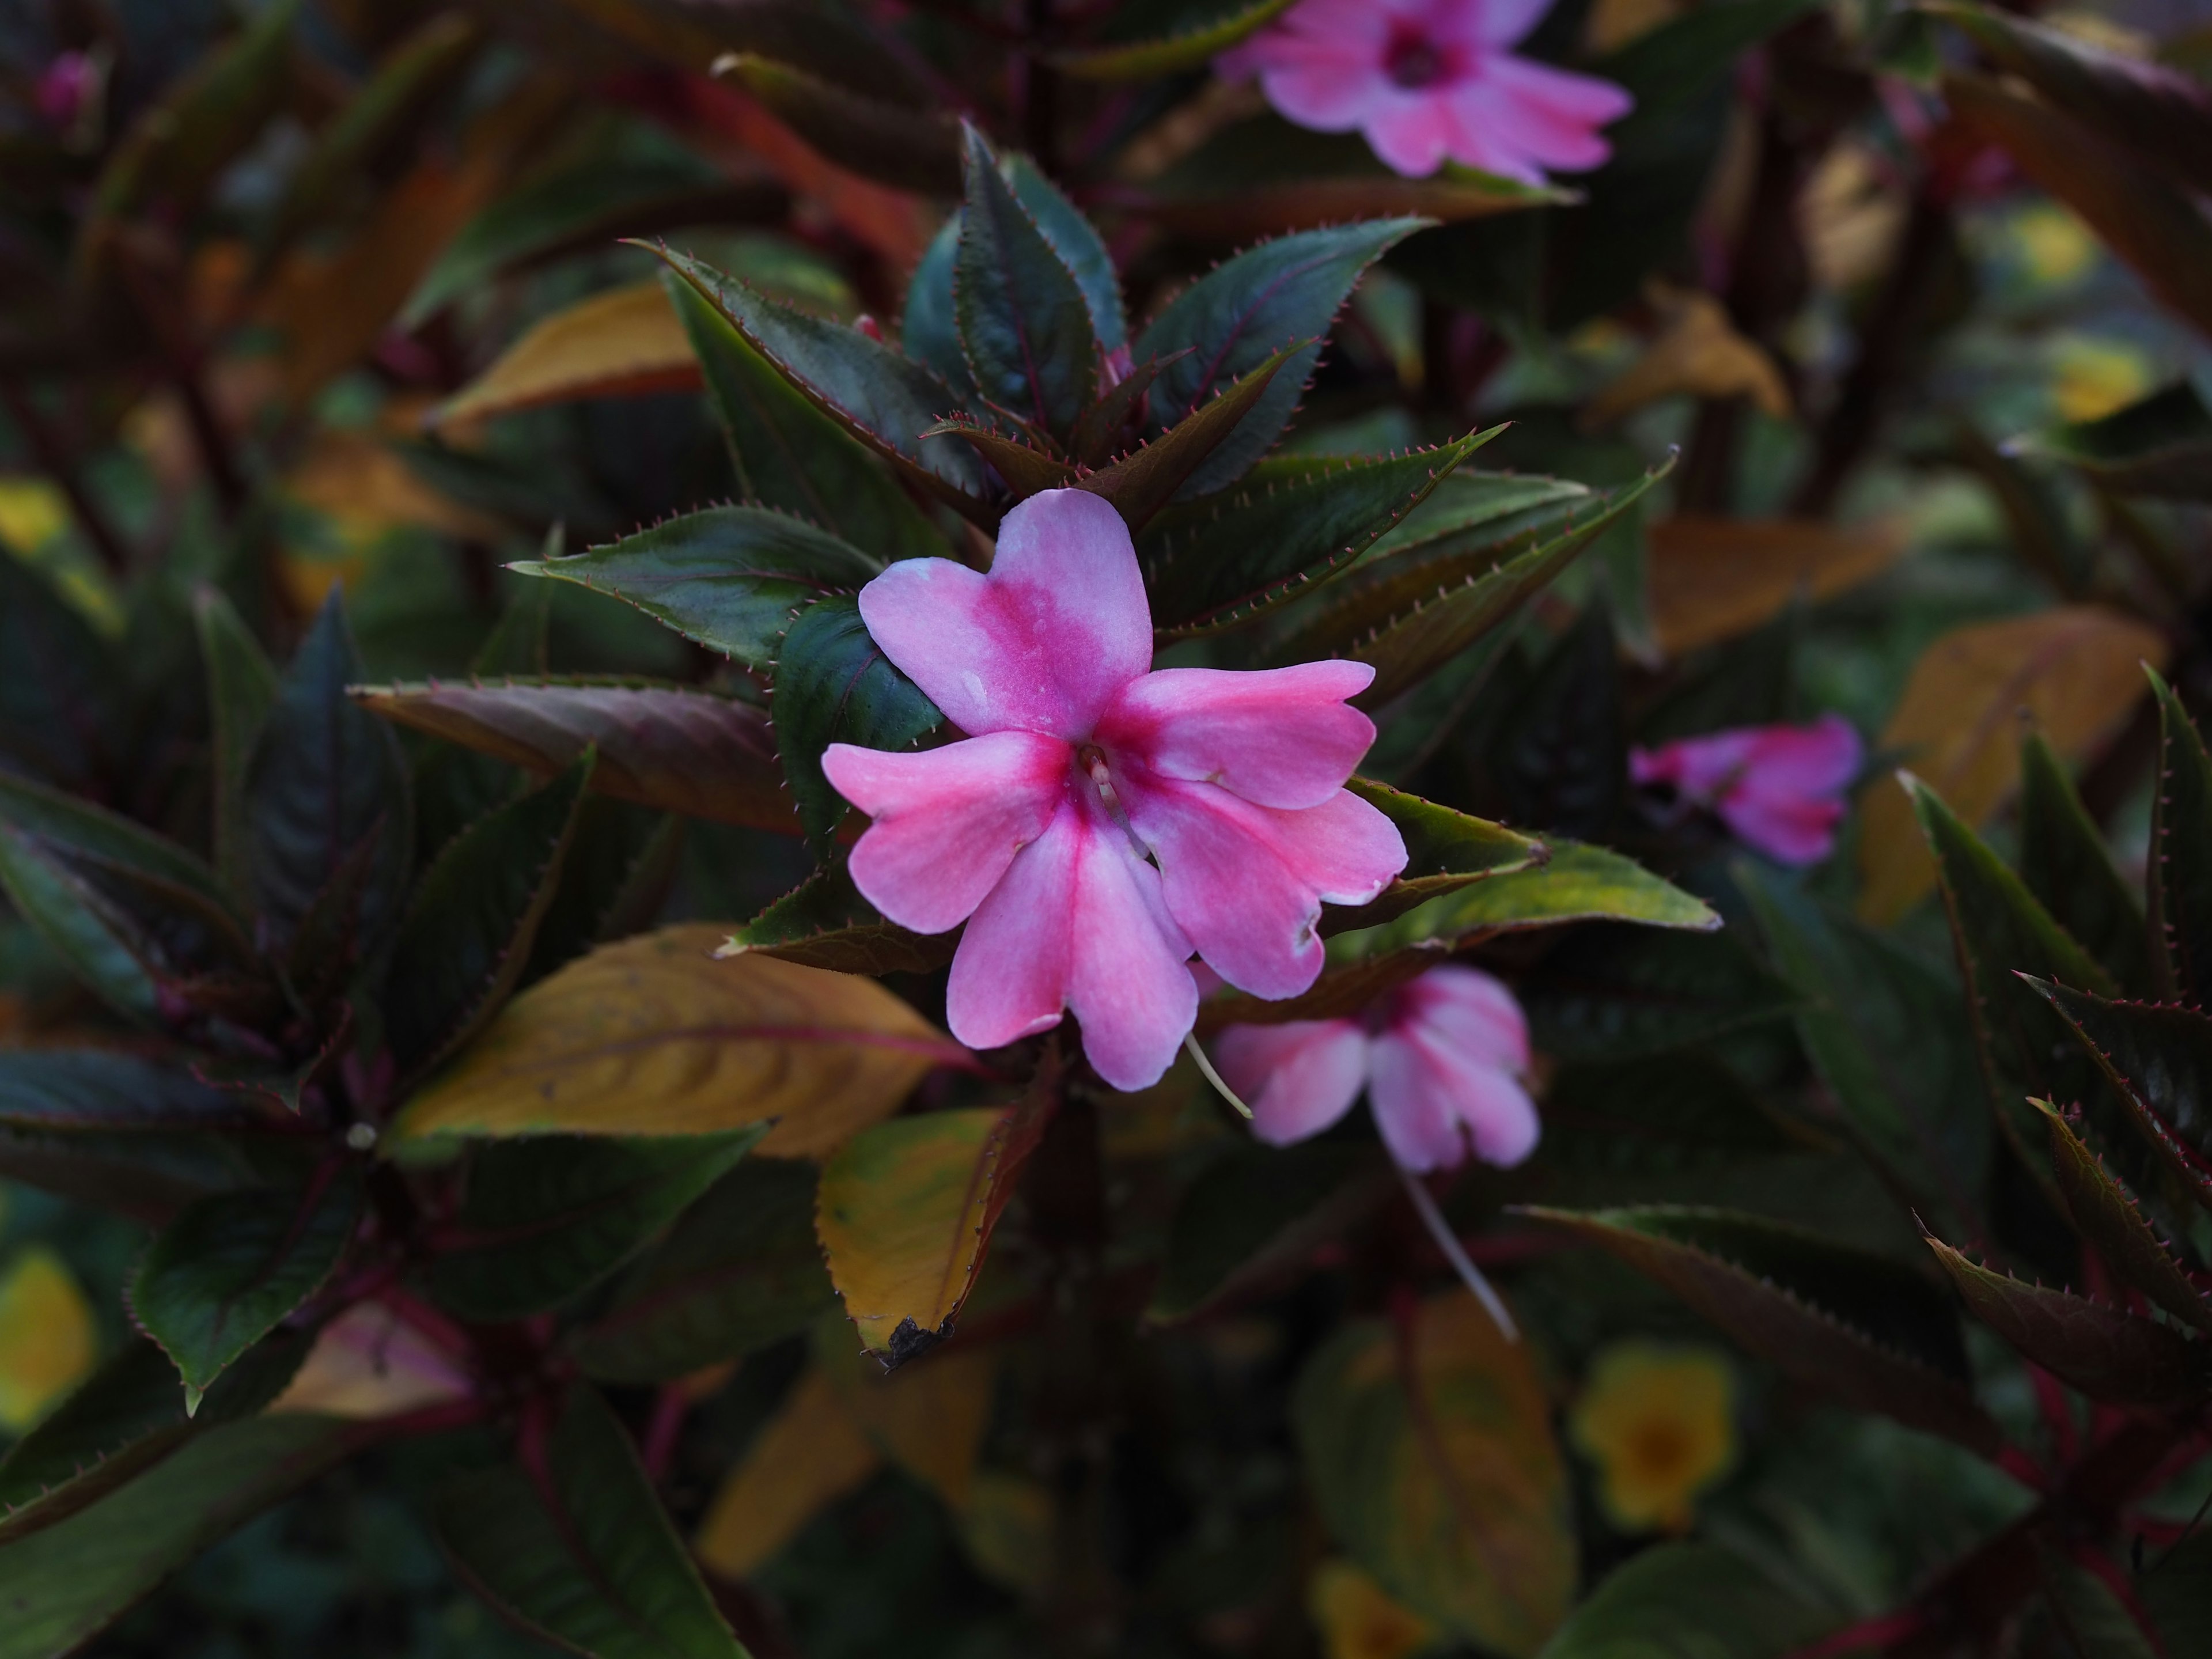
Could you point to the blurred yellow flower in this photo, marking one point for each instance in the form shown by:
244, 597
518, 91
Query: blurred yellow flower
32, 513
1658, 1421
2056, 247
1358, 1621
2092, 378
47, 1342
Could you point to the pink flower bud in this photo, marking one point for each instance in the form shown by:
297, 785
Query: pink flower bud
1778, 788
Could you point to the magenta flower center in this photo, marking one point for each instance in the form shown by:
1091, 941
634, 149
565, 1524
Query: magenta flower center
1413, 62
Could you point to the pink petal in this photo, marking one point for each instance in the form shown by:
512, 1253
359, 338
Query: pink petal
1490, 22
1788, 829
1331, 96
1297, 1077
1700, 768
1820, 759
1470, 1011
1077, 923
1548, 115
947, 822
1246, 883
1043, 642
1282, 738
1431, 1099
1411, 133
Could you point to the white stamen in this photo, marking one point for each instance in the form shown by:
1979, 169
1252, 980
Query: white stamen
1190, 1042
1448, 1242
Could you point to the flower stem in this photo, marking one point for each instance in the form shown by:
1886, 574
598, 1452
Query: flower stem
1448, 1242
1190, 1042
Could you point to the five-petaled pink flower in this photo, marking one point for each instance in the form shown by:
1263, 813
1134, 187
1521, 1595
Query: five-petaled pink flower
1440, 1058
1779, 788
1102, 820
1428, 80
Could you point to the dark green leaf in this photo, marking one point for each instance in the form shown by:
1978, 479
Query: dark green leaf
929, 332
2177, 1594
59, 675
1239, 315
740, 1270
729, 577
1615, 992
1024, 467
65, 1585
913, 148
1294, 521
1661, 1114
1160, 37
1025, 325
1557, 756
2180, 854
583, 1554
791, 456
825, 923
884, 400
222, 1275
2107, 1353
664, 746
466, 940
1689, 1601
1145, 480
2065, 863
2158, 1058
241, 690
833, 685
2159, 446
1080, 247
549, 1217
1876, 1335
327, 784
2106, 1212
620, 863
55, 1090
1258, 1213
111, 847
101, 945
816, 38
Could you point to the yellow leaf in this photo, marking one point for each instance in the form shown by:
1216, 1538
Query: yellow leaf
47, 1342
1712, 578
1358, 1621
1697, 352
618, 343
1658, 1419
906, 1210
2092, 378
369, 1363
2073, 673
32, 513
810, 1454
365, 490
653, 1036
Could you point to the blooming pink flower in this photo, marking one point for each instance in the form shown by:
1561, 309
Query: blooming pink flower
1779, 788
1080, 764
1440, 1058
1427, 80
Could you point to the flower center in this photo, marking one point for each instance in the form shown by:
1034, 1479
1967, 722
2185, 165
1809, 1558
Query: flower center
1413, 62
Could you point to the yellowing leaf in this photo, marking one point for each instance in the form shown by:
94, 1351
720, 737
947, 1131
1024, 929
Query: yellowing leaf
2073, 673
906, 1212
928, 1417
1358, 1619
369, 1363
618, 343
47, 1342
365, 490
653, 1036
1697, 352
1712, 578
32, 513
810, 1453
1659, 1422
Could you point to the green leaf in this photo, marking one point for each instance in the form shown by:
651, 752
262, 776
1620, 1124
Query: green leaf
1239, 315
120, 853
664, 746
1556, 753
913, 149
128, 1416
549, 1217
2106, 1212
57, 1091
65, 1585
241, 689
884, 400
1689, 1601
1025, 468
740, 1270
1257, 1213
59, 673
2180, 860
1445, 851
823, 922
1145, 479
833, 685
1077, 242
1294, 521
464, 941
327, 784
2064, 862
729, 577
929, 332
2178, 1593
1874, 1334
1430, 1454
621, 862
791, 457
582, 1554
103, 947
2108, 1353
1157, 38
1617, 992
222, 1275
2158, 1057
1025, 325
1662, 1114
2159, 446
1408, 636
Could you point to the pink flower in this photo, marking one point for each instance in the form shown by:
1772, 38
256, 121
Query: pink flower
1427, 80
65, 87
1779, 788
1440, 1058
1081, 764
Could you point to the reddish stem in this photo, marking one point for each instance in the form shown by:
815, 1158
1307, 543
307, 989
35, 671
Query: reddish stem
662, 1432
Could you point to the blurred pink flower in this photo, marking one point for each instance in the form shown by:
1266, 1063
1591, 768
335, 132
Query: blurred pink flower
65, 87
1431, 80
1778, 788
1080, 762
1440, 1058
